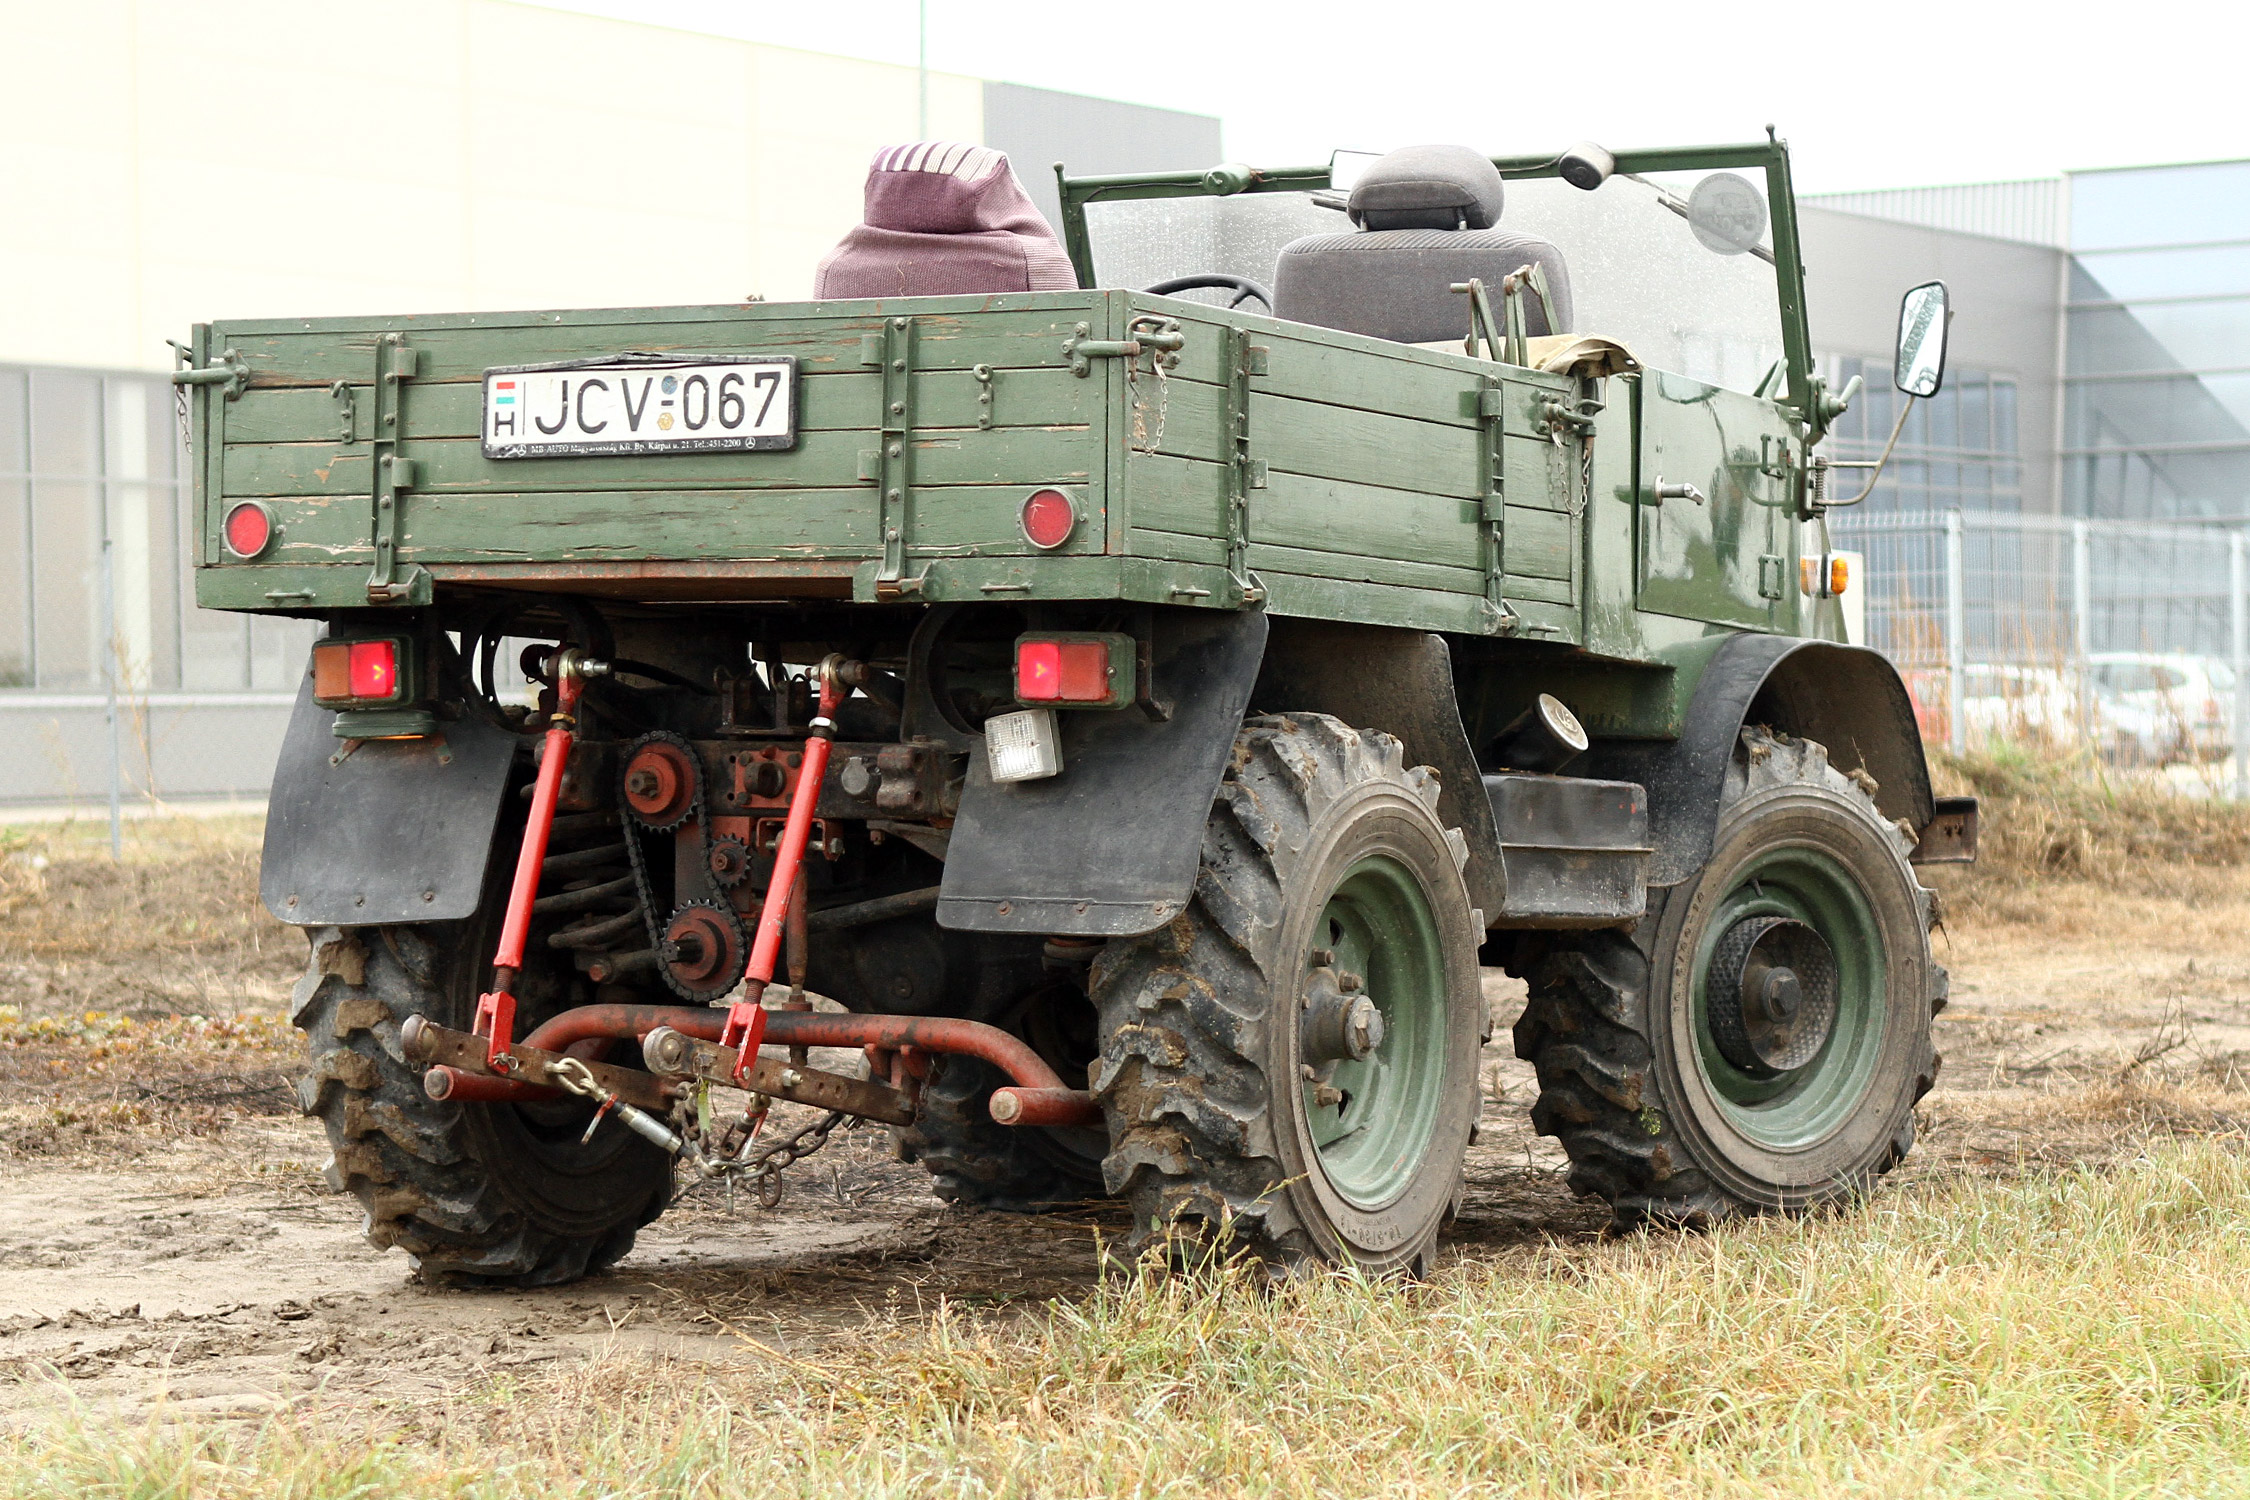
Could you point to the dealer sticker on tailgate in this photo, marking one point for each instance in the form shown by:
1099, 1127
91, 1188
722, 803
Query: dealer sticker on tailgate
717, 404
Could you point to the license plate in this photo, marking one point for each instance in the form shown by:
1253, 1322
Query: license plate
641, 406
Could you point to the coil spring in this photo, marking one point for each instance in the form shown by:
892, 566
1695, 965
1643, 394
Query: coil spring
586, 879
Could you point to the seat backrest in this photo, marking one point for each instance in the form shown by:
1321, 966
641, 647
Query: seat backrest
944, 218
1427, 216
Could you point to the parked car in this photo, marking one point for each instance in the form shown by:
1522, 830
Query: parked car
2172, 707
2009, 703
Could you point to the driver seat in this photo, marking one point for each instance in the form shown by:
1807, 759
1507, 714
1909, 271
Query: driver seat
944, 218
1426, 217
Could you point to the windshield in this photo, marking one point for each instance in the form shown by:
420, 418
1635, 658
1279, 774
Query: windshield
1640, 273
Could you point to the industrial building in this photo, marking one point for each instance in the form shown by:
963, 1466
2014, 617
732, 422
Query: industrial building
510, 156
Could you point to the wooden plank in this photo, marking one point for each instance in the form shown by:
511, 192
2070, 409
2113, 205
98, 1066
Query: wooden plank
1020, 456
1539, 543
1365, 447
735, 525
1312, 371
1537, 475
1176, 494
827, 403
1178, 417
1174, 546
1299, 510
1392, 571
1375, 604
1518, 590
320, 354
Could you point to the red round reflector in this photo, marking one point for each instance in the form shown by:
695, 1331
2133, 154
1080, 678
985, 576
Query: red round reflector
248, 529
1049, 518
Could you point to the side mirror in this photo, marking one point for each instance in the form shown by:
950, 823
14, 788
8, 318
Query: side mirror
1922, 318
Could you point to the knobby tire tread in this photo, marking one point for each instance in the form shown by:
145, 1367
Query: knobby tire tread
1586, 1029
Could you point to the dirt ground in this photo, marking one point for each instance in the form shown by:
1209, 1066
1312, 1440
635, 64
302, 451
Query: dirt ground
165, 1233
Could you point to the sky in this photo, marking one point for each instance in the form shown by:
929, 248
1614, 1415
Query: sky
1868, 96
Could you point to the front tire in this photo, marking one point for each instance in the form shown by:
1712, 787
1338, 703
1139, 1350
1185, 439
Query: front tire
1758, 1043
1289, 1066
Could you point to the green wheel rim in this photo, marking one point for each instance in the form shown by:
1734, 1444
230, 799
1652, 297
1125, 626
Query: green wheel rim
1803, 1106
1379, 925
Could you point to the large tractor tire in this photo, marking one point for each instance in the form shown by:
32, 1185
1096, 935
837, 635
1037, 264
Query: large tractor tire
1758, 1042
1290, 1066
493, 1194
977, 1163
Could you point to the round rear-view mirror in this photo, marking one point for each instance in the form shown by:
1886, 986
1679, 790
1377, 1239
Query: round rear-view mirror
1727, 214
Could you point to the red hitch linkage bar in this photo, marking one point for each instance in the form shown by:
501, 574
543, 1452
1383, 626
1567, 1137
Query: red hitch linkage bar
496, 1010
746, 1018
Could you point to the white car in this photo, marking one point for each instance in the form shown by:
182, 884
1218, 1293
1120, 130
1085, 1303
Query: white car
2167, 707
2006, 704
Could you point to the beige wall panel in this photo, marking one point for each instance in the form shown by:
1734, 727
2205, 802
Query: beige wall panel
171, 163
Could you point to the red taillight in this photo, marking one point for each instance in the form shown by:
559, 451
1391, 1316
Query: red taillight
360, 674
1049, 518
1038, 671
374, 669
1073, 669
248, 529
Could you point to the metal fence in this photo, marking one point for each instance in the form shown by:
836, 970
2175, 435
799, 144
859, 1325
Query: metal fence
2126, 637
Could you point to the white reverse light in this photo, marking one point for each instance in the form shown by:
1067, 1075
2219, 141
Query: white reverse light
1023, 746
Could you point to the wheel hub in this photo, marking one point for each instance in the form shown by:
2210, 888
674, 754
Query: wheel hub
1341, 1023
1771, 995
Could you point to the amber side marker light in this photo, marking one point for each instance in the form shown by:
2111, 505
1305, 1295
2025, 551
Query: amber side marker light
1824, 577
247, 529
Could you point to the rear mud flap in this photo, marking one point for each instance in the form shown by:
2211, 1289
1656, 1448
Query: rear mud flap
394, 831
1110, 847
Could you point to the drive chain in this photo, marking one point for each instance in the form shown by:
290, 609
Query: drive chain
637, 831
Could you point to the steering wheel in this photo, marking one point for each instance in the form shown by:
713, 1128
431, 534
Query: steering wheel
1242, 286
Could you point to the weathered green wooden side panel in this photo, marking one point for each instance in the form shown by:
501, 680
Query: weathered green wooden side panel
1367, 488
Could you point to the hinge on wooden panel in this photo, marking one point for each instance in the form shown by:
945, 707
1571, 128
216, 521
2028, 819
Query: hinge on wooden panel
395, 475
347, 412
1492, 509
893, 461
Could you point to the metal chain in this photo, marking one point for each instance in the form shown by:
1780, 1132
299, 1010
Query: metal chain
764, 1167
1142, 442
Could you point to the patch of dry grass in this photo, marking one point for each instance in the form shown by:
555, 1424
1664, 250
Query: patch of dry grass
2051, 817
2073, 1332
173, 926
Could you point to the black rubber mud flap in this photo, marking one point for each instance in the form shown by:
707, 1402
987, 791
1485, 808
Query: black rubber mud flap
396, 831
1109, 848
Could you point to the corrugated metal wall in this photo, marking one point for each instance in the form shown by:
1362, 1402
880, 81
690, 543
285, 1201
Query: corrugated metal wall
2034, 210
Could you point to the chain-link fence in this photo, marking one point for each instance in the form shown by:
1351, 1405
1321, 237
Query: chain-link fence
2124, 637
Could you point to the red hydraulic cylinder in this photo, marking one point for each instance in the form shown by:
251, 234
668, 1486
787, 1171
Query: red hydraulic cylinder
496, 1011
747, 1019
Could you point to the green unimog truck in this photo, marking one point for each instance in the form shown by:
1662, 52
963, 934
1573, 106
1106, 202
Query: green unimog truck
1142, 707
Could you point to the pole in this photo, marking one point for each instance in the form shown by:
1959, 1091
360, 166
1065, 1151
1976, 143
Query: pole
109, 651
1956, 636
2238, 607
2082, 622
922, 69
